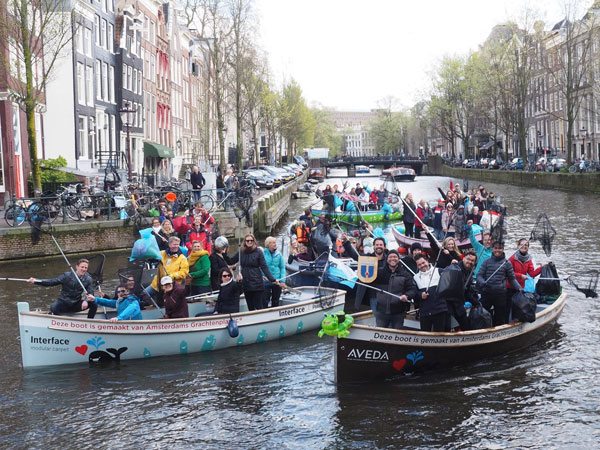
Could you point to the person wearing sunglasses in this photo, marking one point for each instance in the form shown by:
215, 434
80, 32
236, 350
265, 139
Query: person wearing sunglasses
254, 268
126, 304
228, 300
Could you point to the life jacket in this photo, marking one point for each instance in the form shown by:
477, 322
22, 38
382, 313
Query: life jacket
302, 234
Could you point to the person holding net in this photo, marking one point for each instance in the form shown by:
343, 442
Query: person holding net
522, 265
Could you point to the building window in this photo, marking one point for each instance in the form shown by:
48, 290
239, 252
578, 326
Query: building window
129, 77
83, 132
79, 39
104, 81
134, 81
103, 34
110, 38
124, 78
97, 29
98, 80
152, 74
89, 85
87, 42
111, 84
80, 83
153, 32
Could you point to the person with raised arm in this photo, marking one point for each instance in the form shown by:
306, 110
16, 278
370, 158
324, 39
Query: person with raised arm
126, 304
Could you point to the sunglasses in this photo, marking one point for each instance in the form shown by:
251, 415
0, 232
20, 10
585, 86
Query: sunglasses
121, 292
226, 275
250, 240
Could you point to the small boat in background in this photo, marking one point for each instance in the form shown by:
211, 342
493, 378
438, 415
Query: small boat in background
399, 173
405, 241
362, 169
316, 174
371, 216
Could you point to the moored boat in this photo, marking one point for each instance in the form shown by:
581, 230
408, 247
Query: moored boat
362, 169
48, 340
400, 173
355, 216
369, 353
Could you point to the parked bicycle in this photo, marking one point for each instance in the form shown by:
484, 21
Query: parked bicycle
38, 213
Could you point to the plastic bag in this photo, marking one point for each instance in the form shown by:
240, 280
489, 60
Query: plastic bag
146, 247
479, 318
529, 285
548, 287
523, 306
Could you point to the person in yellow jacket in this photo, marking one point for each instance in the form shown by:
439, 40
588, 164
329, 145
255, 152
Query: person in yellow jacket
174, 264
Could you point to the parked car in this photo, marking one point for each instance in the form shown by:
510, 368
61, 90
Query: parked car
300, 160
259, 178
516, 164
277, 179
287, 176
291, 169
556, 164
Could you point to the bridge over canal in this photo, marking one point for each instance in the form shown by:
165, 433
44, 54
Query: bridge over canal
384, 162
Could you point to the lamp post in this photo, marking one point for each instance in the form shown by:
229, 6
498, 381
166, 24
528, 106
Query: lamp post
584, 134
125, 111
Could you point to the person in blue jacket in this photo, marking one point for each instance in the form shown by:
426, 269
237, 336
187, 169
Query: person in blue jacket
128, 306
276, 265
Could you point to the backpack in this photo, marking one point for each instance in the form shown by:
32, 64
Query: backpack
479, 318
523, 306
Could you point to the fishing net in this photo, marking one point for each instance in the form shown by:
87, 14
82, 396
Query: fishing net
96, 268
544, 233
498, 229
586, 283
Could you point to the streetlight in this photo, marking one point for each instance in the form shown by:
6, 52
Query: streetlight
125, 111
584, 134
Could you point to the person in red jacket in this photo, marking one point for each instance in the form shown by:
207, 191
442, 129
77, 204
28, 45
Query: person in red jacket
522, 266
199, 233
421, 210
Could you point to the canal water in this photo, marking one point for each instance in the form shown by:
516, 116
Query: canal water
282, 394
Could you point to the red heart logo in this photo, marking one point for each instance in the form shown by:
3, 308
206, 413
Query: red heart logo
399, 364
82, 349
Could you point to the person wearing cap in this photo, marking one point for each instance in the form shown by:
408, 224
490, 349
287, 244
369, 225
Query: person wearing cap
415, 249
393, 278
176, 306
174, 264
220, 260
126, 304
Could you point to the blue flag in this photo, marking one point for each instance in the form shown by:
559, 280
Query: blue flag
340, 272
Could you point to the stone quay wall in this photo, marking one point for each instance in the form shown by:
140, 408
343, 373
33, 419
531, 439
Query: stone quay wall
104, 235
579, 182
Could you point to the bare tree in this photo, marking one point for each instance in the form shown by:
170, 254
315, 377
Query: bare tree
38, 33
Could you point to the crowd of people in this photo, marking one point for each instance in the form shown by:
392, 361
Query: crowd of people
191, 264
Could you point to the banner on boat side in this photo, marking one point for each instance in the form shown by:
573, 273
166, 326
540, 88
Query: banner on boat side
367, 268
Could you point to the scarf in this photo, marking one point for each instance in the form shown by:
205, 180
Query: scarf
195, 256
225, 284
422, 278
522, 257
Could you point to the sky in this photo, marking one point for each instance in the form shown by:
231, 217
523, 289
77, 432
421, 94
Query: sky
352, 54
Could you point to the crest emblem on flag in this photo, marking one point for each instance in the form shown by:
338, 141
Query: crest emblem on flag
367, 268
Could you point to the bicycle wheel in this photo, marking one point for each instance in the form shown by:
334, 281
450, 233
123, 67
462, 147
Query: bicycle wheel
15, 215
573, 168
38, 216
241, 206
208, 202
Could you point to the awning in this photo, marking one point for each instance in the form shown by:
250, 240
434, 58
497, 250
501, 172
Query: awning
158, 150
487, 145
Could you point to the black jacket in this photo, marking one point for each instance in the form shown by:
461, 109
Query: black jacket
493, 274
228, 300
252, 264
71, 289
216, 264
462, 288
408, 215
197, 180
398, 282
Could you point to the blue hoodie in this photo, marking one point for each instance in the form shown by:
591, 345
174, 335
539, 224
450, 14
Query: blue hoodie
482, 252
127, 308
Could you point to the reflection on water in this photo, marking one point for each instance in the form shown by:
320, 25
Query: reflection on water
282, 394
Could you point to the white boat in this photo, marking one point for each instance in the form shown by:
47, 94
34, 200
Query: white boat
48, 340
362, 169
399, 173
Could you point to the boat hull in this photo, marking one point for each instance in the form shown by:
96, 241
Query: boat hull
356, 217
405, 241
48, 340
374, 354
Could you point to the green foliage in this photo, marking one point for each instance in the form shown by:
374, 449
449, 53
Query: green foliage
388, 130
296, 122
52, 174
326, 135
